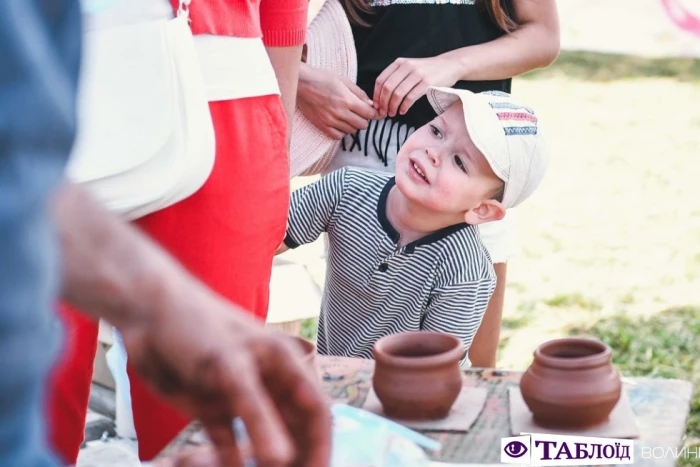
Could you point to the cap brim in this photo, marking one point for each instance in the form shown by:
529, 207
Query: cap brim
442, 98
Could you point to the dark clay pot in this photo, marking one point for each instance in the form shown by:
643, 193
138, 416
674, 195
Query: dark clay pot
571, 384
417, 374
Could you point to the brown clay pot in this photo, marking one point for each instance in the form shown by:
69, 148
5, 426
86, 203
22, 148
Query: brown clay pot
417, 374
571, 383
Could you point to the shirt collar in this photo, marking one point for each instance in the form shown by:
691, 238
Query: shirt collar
394, 235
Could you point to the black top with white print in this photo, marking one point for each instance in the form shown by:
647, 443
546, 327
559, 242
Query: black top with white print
419, 29
441, 282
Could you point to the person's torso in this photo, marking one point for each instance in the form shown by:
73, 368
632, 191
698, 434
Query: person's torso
232, 67
419, 29
374, 288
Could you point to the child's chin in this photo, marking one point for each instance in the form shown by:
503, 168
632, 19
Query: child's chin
403, 182
407, 189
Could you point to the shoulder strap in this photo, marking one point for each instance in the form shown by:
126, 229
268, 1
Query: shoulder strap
183, 8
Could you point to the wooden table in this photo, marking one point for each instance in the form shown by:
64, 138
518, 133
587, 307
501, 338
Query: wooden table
661, 407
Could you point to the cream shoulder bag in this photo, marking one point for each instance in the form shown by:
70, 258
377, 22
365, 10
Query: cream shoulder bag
145, 136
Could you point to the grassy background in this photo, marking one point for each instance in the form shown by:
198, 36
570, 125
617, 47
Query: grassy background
665, 345
610, 243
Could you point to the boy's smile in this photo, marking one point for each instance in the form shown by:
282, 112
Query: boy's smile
418, 173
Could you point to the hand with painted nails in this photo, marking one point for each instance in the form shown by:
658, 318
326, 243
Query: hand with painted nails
406, 80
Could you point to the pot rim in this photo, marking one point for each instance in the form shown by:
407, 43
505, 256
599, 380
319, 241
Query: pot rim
454, 354
601, 357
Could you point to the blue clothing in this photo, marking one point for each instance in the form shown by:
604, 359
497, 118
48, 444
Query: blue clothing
39, 65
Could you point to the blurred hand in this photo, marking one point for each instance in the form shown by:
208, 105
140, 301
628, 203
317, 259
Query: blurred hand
406, 80
204, 354
201, 456
333, 103
216, 363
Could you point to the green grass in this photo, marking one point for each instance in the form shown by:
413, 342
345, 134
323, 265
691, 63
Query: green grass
666, 345
515, 322
592, 66
574, 299
308, 328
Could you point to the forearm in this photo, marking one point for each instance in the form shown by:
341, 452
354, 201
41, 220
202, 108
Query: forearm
286, 61
305, 72
531, 46
111, 271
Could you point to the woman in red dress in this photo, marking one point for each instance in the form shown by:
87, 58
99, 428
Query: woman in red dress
226, 234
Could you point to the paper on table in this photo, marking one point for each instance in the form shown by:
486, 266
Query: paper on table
462, 416
622, 423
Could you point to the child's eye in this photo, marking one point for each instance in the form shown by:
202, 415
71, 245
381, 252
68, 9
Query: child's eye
460, 164
435, 131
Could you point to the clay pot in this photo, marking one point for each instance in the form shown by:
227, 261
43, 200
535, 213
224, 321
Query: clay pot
417, 374
571, 384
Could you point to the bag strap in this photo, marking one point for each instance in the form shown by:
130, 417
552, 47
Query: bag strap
183, 10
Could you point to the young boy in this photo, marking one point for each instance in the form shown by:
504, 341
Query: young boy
404, 251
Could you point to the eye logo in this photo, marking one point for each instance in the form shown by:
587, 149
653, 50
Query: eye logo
515, 449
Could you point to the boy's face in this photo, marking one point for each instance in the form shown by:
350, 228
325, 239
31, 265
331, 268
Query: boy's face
440, 167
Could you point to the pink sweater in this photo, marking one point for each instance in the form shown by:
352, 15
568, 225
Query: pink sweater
281, 23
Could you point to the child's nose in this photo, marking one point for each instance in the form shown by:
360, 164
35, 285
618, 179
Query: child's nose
433, 156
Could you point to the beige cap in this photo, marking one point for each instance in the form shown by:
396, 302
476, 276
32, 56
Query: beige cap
507, 133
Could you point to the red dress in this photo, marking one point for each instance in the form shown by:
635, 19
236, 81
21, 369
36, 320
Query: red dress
226, 234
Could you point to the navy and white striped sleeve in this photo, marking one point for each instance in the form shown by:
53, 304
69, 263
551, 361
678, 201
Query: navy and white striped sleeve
458, 309
312, 208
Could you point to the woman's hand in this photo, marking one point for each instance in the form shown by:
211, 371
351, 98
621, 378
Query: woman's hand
406, 80
333, 103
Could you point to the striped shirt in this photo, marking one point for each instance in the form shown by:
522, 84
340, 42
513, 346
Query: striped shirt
441, 282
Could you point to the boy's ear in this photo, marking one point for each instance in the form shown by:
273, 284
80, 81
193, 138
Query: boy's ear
488, 211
